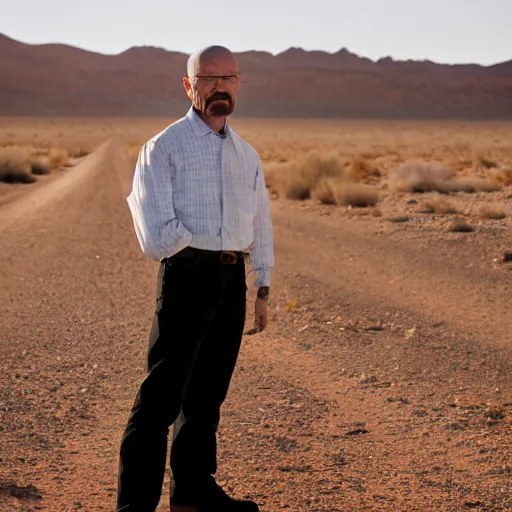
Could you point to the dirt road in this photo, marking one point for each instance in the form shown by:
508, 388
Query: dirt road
382, 384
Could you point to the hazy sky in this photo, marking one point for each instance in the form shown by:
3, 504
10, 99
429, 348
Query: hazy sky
440, 30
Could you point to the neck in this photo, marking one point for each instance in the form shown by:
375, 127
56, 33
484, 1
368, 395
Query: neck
214, 123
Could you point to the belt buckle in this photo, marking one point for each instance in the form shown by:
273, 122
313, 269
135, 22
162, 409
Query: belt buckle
228, 257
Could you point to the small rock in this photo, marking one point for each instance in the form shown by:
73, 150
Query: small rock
368, 380
377, 327
412, 201
473, 504
460, 226
410, 332
399, 219
357, 432
507, 256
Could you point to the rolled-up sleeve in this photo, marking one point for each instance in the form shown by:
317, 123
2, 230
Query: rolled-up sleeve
159, 232
263, 248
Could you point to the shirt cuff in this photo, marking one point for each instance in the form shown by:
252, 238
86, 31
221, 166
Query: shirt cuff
263, 278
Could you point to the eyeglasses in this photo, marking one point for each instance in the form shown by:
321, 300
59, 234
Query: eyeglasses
212, 79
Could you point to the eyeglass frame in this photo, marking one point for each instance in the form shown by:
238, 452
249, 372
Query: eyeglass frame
213, 78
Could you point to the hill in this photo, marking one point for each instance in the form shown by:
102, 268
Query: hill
56, 79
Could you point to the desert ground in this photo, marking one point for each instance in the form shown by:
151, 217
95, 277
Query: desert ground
383, 380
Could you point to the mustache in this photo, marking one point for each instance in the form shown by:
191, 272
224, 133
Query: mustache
219, 96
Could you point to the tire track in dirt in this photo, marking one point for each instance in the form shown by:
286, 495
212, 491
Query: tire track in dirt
438, 280
74, 299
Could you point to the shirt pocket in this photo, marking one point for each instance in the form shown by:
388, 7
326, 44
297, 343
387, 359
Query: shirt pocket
196, 189
245, 194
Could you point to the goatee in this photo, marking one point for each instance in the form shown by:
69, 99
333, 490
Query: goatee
219, 104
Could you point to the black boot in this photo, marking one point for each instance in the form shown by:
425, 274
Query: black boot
218, 501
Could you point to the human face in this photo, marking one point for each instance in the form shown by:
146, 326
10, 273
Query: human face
213, 89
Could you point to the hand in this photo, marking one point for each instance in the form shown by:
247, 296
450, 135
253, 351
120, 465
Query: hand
260, 310
260, 315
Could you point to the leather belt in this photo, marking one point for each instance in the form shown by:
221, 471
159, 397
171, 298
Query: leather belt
220, 257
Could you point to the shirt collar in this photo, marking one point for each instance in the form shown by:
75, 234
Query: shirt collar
200, 127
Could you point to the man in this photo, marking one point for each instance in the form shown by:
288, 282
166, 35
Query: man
199, 206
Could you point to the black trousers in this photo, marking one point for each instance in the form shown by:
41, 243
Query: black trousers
193, 348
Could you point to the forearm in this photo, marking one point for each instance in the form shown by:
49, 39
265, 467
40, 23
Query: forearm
159, 231
161, 241
263, 247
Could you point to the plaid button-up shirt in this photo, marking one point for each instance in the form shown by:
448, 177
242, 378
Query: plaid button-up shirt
194, 187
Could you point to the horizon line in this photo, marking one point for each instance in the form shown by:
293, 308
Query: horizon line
299, 48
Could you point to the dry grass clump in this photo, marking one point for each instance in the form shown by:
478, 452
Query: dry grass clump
307, 173
502, 177
356, 194
19, 164
78, 153
489, 212
488, 164
298, 179
495, 413
325, 178
363, 171
421, 177
325, 192
15, 165
345, 193
440, 206
58, 157
40, 164
472, 185
298, 191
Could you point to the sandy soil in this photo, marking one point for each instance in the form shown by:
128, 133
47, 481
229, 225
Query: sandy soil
382, 384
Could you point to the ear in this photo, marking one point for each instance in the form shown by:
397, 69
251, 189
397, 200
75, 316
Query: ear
188, 87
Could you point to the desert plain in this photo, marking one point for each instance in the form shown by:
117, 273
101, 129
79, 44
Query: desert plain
383, 380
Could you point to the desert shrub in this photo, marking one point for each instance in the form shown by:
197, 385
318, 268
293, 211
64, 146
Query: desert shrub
438, 206
276, 175
356, 194
15, 165
300, 178
345, 193
58, 157
324, 191
489, 212
78, 153
324, 178
502, 177
472, 185
420, 177
298, 192
363, 171
495, 413
40, 165
489, 164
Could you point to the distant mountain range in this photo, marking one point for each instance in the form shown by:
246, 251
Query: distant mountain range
56, 79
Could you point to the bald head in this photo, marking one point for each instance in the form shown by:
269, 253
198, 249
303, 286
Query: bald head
212, 81
208, 56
